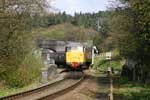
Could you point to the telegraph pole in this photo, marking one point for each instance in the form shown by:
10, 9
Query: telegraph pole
98, 25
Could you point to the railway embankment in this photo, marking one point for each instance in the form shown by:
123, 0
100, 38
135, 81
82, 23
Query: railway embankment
50, 76
47, 91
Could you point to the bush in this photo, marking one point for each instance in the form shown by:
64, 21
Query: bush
27, 72
18, 78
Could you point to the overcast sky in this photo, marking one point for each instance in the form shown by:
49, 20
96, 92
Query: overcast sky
71, 6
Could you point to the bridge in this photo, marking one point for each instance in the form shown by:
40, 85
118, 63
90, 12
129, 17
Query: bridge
59, 46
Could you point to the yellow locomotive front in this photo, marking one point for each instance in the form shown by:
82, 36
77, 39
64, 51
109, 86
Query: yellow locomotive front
75, 56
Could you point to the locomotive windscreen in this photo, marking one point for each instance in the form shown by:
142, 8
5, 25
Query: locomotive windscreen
78, 48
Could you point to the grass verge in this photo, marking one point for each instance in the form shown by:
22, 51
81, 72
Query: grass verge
127, 90
5, 91
102, 63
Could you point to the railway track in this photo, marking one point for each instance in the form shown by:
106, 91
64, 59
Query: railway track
48, 91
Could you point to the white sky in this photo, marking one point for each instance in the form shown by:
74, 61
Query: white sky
72, 6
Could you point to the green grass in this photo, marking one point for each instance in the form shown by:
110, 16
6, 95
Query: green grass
102, 63
126, 90
5, 91
116, 61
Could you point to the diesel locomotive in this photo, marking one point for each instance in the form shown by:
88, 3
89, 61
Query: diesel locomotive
71, 55
78, 57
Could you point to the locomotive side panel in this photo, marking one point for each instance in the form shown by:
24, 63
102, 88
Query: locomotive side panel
59, 58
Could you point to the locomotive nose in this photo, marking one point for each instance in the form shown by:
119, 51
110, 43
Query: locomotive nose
74, 64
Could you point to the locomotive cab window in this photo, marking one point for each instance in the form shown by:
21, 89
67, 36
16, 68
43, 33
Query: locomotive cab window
68, 48
78, 48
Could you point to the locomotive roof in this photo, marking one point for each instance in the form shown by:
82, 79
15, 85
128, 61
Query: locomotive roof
74, 44
60, 45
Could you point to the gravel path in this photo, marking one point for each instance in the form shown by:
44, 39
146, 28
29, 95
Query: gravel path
95, 87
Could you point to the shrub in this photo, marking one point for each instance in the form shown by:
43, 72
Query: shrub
27, 72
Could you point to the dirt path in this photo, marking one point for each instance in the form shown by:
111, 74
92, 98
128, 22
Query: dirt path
95, 87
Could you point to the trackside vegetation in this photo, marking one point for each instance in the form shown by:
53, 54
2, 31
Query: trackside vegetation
129, 90
123, 29
18, 66
116, 61
103, 64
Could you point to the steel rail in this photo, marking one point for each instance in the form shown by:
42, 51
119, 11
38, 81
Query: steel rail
63, 91
31, 91
42, 88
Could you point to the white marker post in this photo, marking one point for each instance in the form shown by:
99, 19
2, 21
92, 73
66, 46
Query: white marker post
93, 54
108, 57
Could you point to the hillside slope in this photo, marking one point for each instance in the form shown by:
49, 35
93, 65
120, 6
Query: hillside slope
65, 31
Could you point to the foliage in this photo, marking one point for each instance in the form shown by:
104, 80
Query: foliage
17, 41
13, 36
27, 73
130, 27
103, 64
66, 31
116, 62
5, 90
82, 20
126, 90
97, 41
